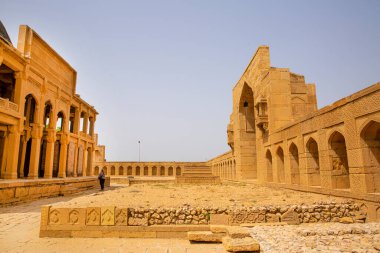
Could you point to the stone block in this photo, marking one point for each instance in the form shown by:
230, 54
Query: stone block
93, 216
246, 244
21, 192
121, 216
218, 228
204, 236
238, 232
219, 219
77, 216
108, 216
132, 221
58, 216
273, 217
290, 217
346, 220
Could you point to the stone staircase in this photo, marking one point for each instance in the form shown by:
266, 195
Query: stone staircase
197, 175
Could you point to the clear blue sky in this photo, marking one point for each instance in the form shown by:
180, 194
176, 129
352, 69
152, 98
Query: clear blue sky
162, 71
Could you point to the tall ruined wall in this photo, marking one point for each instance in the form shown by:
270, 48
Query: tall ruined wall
264, 99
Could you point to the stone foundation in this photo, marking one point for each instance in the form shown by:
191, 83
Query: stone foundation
16, 191
175, 222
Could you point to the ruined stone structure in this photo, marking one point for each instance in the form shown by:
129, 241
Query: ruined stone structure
46, 129
276, 133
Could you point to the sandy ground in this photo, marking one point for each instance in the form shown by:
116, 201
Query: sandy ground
19, 232
19, 225
171, 195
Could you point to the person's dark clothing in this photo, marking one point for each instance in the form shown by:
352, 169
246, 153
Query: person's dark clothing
102, 179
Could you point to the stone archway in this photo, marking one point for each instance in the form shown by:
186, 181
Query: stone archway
269, 166
162, 171
280, 165
294, 164
312, 163
178, 171
339, 163
170, 171
370, 136
246, 126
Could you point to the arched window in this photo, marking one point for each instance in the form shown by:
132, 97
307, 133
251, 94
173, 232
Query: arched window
280, 165
178, 171
339, 162
60, 122
154, 171
371, 152
312, 156
162, 171
294, 164
170, 171
269, 166
129, 171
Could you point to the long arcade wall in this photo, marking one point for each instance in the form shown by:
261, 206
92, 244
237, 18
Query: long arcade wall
278, 136
336, 147
156, 169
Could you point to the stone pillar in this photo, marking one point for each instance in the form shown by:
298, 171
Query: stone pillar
49, 158
84, 164
92, 126
63, 156
85, 123
76, 160
20, 80
23, 151
76, 121
35, 151
12, 146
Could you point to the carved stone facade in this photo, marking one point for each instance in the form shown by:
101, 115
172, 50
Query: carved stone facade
278, 136
46, 129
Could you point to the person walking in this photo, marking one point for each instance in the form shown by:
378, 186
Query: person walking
102, 179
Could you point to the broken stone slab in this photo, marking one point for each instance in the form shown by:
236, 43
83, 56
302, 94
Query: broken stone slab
246, 244
218, 228
346, 220
238, 232
204, 236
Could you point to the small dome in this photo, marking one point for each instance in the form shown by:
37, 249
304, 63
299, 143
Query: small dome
4, 35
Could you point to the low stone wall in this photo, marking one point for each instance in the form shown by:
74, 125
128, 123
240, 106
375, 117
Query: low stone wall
141, 180
197, 180
16, 191
129, 222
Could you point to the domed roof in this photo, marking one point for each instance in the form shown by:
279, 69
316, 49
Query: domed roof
3, 34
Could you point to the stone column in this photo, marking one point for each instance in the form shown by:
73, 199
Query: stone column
84, 164
12, 146
85, 123
76, 121
49, 158
90, 163
76, 160
35, 151
92, 126
20, 80
63, 156
23, 143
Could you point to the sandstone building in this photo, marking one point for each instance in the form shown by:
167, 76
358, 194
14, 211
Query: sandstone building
277, 135
46, 129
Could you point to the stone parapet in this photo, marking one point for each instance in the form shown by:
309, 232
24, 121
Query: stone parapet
175, 222
17, 191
